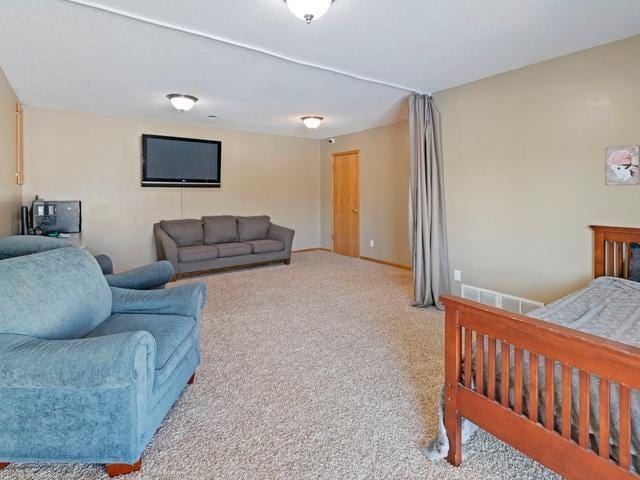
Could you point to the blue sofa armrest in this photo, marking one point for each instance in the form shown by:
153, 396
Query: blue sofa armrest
111, 361
106, 265
155, 275
285, 235
187, 300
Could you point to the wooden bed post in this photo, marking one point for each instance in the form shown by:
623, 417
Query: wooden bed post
599, 246
452, 352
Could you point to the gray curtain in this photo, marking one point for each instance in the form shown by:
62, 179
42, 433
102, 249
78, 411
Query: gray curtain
427, 209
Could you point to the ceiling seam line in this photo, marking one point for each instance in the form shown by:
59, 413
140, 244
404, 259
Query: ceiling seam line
215, 38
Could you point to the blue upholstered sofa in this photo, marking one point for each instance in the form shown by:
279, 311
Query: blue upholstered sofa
148, 277
87, 371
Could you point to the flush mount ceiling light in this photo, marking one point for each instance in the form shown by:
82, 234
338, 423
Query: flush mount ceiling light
184, 103
312, 121
308, 10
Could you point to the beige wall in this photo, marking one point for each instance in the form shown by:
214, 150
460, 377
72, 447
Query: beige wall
96, 159
9, 190
524, 168
384, 195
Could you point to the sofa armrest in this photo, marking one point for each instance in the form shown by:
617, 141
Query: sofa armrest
285, 235
156, 275
166, 248
111, 361
187, 300
106, 265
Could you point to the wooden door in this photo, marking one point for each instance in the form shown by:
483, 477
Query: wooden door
346, 203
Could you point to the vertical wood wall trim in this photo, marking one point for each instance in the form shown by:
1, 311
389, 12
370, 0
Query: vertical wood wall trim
19, 146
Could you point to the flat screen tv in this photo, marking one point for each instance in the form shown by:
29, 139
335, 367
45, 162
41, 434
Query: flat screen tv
180, 162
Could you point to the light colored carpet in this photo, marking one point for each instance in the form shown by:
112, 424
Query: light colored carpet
317, 370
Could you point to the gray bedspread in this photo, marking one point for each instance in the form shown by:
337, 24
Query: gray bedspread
607, 307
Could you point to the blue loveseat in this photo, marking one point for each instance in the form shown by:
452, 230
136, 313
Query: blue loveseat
87, 371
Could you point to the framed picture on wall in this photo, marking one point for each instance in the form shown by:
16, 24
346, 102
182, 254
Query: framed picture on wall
622, 165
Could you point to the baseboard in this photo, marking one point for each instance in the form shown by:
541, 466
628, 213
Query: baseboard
315, 249
368, 259
384, 262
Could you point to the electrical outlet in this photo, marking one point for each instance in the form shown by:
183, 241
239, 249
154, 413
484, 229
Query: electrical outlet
371, 243
457, 275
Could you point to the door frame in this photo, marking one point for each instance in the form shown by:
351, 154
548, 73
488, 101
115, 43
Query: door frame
333, 164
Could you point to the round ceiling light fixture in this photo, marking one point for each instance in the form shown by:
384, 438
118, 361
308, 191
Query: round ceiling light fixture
312, 121
308, 10
181, 102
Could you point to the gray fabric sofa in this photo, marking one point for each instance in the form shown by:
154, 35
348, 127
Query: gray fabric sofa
219, 242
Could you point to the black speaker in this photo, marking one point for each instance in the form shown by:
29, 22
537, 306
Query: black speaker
24, 221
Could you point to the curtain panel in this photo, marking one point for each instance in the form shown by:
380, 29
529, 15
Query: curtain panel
428, 230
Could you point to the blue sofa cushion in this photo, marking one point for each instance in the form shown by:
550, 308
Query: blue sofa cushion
167, 330
19, 245
57, 294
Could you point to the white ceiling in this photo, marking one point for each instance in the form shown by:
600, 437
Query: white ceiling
60, 54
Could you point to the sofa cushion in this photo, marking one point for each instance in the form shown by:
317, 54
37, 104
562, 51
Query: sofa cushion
220, 229
233, 249
253, 228
58, 294
264, 246
167, 330
197, 253
184, 232
19, 245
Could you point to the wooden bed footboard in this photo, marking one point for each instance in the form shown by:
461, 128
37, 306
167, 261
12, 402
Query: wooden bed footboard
473, 327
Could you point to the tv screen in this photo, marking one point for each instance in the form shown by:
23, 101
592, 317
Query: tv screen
180, 162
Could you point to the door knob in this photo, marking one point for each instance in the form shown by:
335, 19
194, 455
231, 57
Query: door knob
355, 210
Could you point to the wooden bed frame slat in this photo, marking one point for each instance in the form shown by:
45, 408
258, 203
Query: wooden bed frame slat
603, 418
566, 401
517, 381
610, 264
549, 396
480, 363
504, 372
620, 260
491, 388
625, 426
585, 401
468, 352
533, 387
589, 355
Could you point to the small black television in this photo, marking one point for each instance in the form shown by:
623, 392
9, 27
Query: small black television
180, 162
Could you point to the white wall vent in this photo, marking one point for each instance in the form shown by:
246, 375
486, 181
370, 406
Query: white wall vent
500, 300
